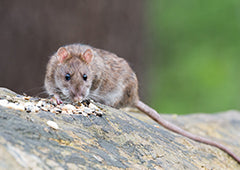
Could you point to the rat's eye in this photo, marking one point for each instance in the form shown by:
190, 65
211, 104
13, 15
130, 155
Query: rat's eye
84, 77
67, 77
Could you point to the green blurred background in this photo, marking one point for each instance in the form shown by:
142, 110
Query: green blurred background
196, 48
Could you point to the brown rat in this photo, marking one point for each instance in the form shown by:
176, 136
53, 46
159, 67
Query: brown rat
77, 72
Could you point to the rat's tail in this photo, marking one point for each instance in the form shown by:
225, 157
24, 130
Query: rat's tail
155, 116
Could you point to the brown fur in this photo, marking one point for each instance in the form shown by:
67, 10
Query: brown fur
106, 73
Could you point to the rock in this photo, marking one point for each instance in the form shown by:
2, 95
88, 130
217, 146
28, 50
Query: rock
116, 140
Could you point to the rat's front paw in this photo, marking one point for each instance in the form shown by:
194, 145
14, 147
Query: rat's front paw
57, 99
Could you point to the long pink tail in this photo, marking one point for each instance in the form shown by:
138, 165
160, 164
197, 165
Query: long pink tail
155, 116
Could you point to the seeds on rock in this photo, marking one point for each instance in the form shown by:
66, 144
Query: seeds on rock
3, 102
84, 114
29, 107
26, 97
15, 106
88, 110
92, 106
68, 108
58, 110
52, 124
41, 103
99, 113
34, 104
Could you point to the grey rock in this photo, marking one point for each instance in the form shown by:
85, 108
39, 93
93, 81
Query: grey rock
116, 140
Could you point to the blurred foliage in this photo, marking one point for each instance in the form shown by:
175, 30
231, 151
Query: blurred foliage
196, 49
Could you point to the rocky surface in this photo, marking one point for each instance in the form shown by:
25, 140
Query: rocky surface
114, 140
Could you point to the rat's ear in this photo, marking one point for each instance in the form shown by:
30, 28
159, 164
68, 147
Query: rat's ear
87, 56
63, 54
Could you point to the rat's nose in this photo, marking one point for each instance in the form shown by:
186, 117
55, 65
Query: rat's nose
77, 98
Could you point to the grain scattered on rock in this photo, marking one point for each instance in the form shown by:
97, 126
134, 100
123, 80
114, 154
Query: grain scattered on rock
34, 105
53, 124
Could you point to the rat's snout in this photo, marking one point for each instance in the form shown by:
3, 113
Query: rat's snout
77, 94
77, 98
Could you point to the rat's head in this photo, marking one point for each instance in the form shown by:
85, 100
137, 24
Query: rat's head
73, 75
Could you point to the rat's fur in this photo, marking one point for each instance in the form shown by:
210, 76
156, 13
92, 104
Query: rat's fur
118, 89
110, 81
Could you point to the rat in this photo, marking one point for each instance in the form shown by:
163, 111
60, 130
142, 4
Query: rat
77, 72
